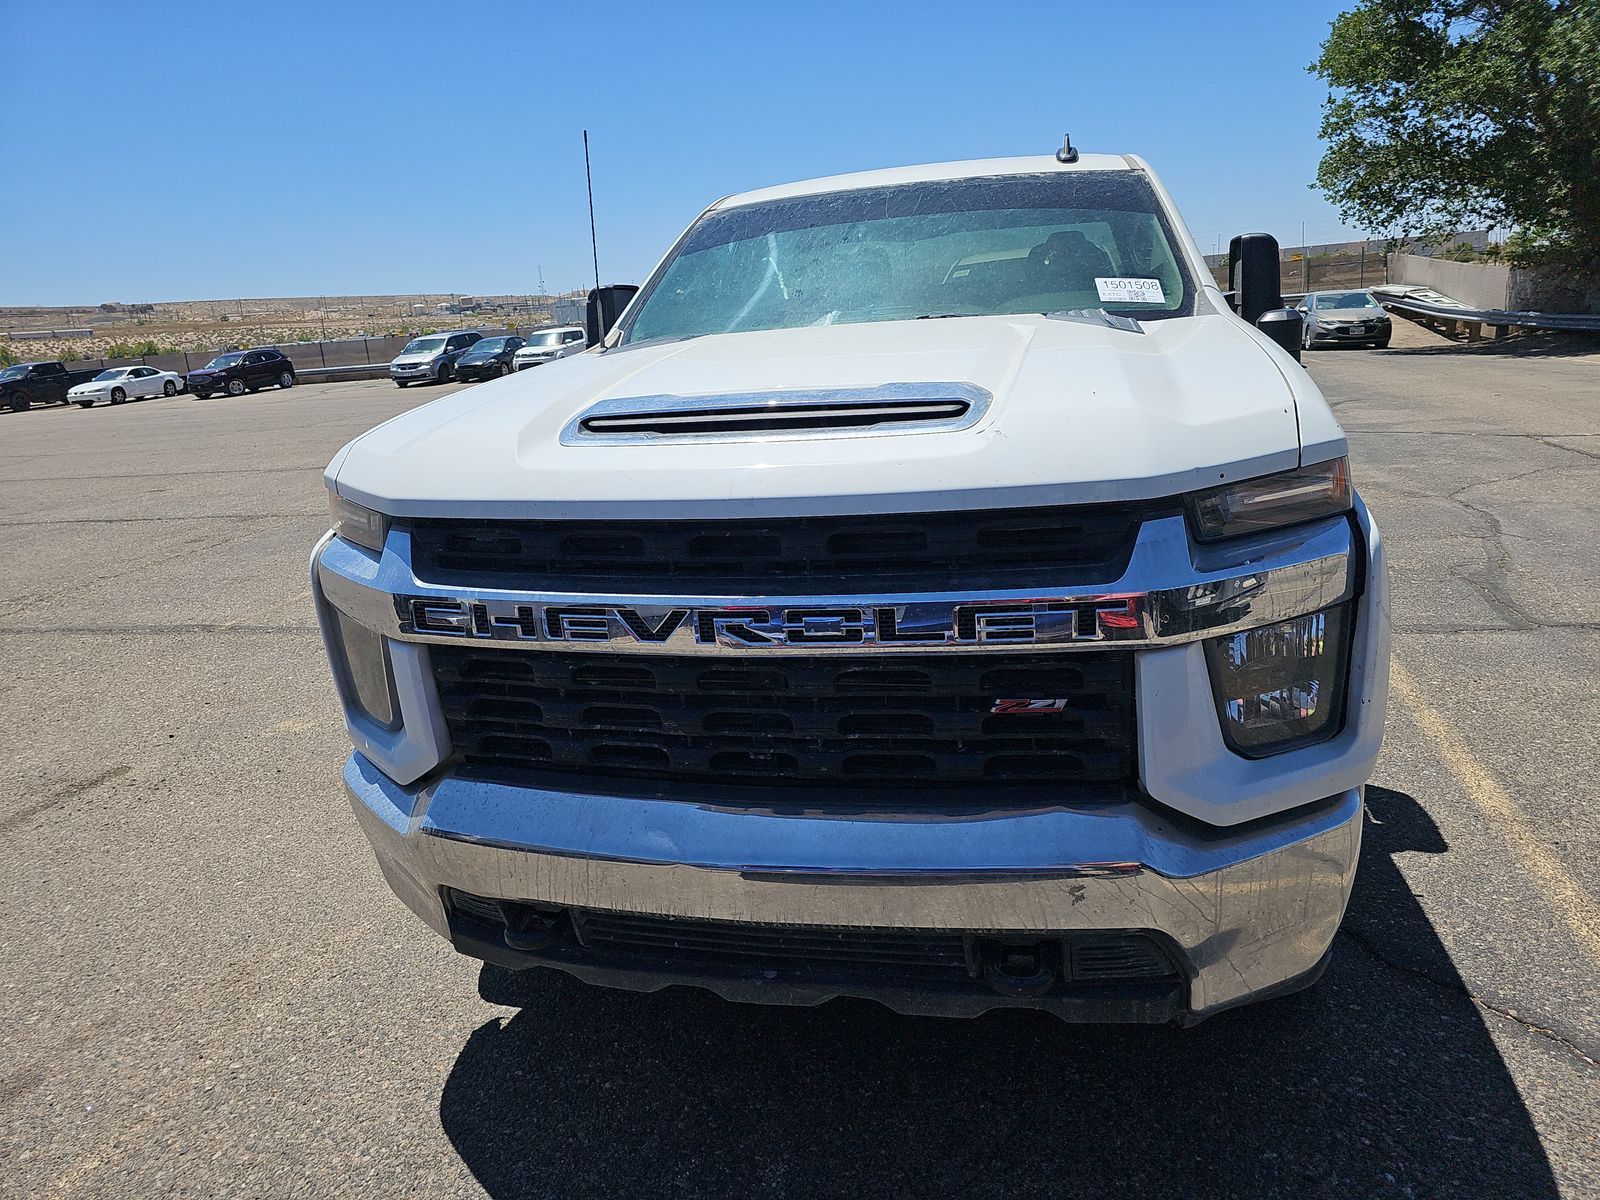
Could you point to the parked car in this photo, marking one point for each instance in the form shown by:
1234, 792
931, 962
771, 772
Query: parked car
117, 384
23, 385
547, 345
241, 371
432, 357
1344, 317
488, 357
806, 646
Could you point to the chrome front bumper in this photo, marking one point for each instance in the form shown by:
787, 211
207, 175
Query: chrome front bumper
1249, 912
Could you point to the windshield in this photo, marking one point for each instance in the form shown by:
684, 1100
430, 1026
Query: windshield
225, 360
967, 247
114, 373
423, 345
1345, 300
537, 340
13, 373
487, 347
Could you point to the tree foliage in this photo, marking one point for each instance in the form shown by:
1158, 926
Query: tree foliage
1445, 115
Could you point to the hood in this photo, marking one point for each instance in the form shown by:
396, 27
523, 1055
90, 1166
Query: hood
1081, 413
422, 357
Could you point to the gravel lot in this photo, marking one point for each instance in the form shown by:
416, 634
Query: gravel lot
208, 990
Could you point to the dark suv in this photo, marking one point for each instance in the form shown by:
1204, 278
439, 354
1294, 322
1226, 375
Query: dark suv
241, 371
487, 358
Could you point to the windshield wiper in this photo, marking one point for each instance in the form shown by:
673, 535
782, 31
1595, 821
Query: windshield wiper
1096, 316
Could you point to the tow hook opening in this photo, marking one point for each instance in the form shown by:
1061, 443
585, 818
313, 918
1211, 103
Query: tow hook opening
1020, 968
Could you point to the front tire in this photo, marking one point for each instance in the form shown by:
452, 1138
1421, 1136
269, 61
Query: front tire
201, 395
169, 389
286, 379
505, 369
401, 382
87, 402
118, 395
236, 387
443, 375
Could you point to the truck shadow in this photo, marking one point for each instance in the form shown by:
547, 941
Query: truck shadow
1380, 1081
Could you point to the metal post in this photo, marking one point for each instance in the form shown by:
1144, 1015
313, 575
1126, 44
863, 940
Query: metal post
1363, 277
1305, 260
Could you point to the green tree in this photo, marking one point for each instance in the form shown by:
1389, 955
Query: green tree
1445, 114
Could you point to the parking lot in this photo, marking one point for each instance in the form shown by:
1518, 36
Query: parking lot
209, 990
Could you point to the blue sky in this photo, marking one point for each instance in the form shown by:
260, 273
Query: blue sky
167, 151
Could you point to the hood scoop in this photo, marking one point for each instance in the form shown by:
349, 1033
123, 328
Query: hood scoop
889, 408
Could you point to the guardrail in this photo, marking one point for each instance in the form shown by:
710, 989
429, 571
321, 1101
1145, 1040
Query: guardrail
1457, 319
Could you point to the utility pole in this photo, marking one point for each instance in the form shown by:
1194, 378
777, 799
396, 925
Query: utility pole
588, 175
1305, 260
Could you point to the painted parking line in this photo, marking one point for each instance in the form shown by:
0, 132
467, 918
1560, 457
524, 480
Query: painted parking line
1575, 904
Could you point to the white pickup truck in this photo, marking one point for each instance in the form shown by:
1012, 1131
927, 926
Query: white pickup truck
932, 588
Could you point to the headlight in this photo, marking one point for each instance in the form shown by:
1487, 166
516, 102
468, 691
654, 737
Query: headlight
1256, 505
357, 523
1281, 687
366, 668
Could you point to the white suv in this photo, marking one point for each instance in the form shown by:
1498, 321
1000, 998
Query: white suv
547, 345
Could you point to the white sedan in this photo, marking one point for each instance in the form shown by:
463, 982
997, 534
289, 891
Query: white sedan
126, 383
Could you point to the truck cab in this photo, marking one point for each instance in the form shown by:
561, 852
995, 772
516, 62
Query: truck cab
23, 385
933, 588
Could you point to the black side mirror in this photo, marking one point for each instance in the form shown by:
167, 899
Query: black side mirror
604, 307
1253, 275
1284, 326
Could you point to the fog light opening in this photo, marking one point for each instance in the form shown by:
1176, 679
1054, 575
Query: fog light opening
1281, 687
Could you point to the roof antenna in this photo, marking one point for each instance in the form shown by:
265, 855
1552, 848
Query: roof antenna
1067, 154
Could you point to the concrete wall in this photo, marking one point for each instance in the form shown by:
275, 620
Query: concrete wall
1477, 285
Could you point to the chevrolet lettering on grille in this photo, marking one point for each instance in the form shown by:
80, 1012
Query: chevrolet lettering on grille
911, 626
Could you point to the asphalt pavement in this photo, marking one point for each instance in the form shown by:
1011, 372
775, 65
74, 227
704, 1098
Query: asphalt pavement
207, 989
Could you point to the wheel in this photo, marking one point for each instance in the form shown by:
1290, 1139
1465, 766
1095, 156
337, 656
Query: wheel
86, 402
401, 382
1383, 345
1307, 342
505, 369
21, 404
236, 387
443, 376
118, 395
202, 395
169, 388
286, 379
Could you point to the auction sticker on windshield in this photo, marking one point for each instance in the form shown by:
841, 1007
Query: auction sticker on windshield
1130, 291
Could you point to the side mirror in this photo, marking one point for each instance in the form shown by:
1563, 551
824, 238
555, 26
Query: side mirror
1253, 275
1284, 326
604, 307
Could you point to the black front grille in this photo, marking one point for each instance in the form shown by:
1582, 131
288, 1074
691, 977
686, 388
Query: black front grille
904, 953
870, 723
800, 555
883, 955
